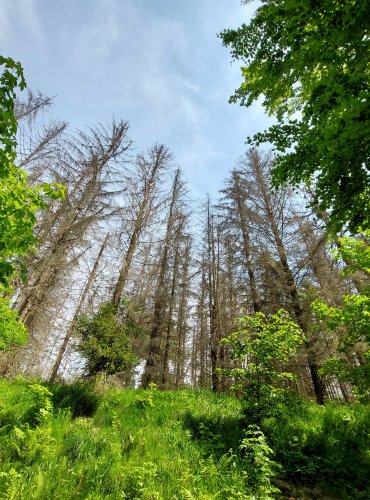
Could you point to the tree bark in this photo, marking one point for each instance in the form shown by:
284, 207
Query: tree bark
152, 367
72, 326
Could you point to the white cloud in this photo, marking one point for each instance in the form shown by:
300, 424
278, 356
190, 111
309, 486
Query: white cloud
6, 8
158, 64
19, 18
138, 58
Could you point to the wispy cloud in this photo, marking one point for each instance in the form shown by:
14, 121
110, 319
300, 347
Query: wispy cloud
20, 17
156, 63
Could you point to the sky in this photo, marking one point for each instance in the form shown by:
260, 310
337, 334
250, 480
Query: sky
156, 63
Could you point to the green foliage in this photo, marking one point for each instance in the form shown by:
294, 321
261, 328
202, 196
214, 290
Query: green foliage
106, 340
147, 400
352, 325
10, 79
18, 206
190, 444
327, 445
351, 322
18, 201
309, 62
42, 406
259, 468
12, 331
355, 252
262, 341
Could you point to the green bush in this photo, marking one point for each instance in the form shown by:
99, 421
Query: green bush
12, 331
323, 444
259, 467
262, 342
106, 340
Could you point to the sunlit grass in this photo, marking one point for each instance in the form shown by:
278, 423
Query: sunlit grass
96, 442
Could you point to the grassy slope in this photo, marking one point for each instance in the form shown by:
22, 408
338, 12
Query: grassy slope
112, 444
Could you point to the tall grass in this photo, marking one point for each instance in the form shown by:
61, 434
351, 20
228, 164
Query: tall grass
93, 442
116, 444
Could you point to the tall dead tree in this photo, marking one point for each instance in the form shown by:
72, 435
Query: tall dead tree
144, 199
237, 214
181, 326
86, 203
153, 362
87, 166
78, 310
172, 306
39, 137
201, 339
258, 168
213, 299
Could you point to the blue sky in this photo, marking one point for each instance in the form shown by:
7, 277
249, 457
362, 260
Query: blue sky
156, 63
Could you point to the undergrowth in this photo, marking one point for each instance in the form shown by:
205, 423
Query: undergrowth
93, 442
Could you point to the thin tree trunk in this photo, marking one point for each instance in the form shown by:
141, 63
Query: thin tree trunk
202, 334
149, 173
212, 301
85, 291
181, 320
151, 372
246, 242
166, 354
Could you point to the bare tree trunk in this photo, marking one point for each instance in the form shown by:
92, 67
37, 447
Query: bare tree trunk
243, 218
149, 175
166, 354
152, 367
213, 300
85, 291
181, 319
202, 338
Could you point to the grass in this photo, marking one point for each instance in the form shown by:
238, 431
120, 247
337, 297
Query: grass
84, 442
116, 444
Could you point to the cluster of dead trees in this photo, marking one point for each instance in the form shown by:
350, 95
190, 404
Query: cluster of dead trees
126, 230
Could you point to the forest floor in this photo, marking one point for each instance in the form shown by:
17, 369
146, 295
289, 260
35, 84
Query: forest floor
85, 441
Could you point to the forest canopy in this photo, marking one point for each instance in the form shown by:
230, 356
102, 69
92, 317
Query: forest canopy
309, 62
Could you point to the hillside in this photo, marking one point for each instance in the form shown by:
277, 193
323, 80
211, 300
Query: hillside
94, 442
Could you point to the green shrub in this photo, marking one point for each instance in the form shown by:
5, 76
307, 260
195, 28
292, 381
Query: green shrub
261, 342
106, 340
259, 468
12, 331
323, 444
147, 400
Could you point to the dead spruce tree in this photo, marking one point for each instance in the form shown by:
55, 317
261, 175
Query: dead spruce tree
81, 301
238, 218
152, 371
143, 200
91, 167
255, 169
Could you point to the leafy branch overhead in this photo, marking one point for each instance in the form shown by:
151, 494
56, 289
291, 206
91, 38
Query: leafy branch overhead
309, 61
19, 201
